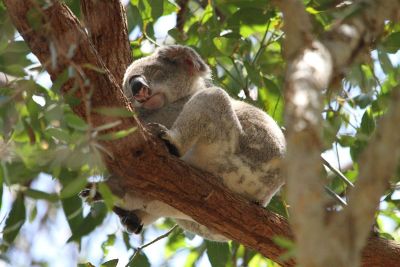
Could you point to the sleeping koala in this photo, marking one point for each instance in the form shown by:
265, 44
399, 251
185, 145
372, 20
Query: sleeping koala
206, 128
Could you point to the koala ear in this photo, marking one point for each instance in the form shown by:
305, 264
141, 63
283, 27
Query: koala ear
185, 57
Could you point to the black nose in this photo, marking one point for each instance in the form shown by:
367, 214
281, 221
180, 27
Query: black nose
136, 84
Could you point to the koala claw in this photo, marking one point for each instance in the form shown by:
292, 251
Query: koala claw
157, 129
129, 219
160, 131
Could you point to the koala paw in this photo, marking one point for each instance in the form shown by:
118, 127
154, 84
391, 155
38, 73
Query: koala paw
161, 132
129, 220
156, 129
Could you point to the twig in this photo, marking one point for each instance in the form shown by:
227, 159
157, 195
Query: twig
139, 249
337, 172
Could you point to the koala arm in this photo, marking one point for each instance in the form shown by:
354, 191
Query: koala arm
208, 117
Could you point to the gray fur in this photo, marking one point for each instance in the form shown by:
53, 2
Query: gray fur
229, 138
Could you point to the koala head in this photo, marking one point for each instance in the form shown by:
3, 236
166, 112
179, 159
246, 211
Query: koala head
170, 73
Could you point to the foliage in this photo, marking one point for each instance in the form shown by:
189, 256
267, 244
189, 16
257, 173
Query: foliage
242, 41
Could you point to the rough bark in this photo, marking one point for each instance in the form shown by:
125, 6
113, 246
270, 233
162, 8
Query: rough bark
107, 28
141, 161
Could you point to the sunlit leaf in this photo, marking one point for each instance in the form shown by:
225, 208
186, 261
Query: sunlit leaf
117, 135
391, 43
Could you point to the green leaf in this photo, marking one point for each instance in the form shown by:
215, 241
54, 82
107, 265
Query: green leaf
254, 73
75, 122
58, 133
157, 8
15, 220
218, 253
287, 244
110, 263
73, 212
277, 205
363, 100
107, 195
33, 214
367, 122
385, 62
117, 135
17, 47
225, 45
96, 216
37, 194
392, 43
249, 16
13, 69
93, 67
140, 260
73, 187
18, 172
114, 112
108, 243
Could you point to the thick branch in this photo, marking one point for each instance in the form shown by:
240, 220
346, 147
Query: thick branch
297, 27
106, 24
303, 106
377, 163
373, 255
308, 73
140, 161
356, 34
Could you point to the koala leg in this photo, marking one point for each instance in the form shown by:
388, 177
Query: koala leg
201, 230
129, 219
208, 117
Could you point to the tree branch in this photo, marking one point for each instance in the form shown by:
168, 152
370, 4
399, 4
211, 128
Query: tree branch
310, 69
106, 24
377, 163
355, 34
297, 27
141, 161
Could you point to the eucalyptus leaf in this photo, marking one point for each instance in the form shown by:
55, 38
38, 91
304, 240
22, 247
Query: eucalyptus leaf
15, 219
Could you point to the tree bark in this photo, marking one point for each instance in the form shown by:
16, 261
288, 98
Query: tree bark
107, 27
140, 160
311, 65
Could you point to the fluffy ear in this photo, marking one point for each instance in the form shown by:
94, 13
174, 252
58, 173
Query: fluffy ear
185, 57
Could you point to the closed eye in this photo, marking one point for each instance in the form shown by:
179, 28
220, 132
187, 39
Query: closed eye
132, 78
